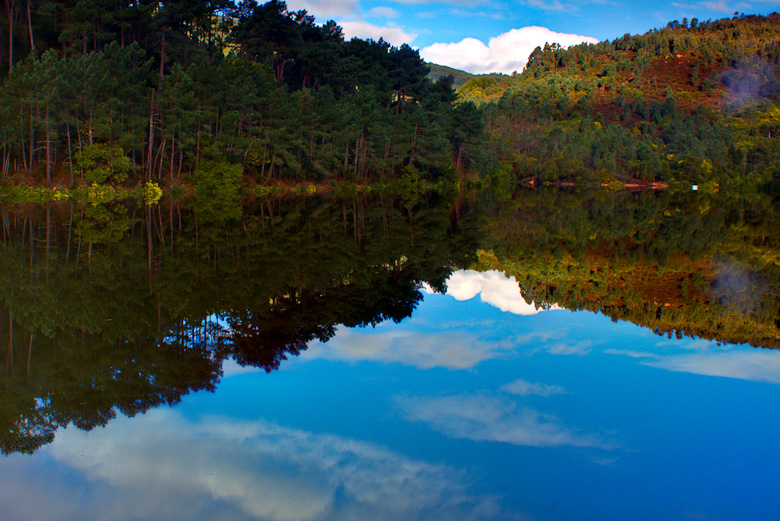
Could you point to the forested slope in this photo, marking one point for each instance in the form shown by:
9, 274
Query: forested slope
694, 102
190, 86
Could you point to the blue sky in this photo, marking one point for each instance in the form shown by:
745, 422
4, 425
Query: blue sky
498, 35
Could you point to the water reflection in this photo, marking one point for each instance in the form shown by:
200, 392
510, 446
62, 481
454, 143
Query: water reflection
171, 467
435, 347
708, 359
144, 306
95, 324
499, 418
433, 362
493, 287
681, 264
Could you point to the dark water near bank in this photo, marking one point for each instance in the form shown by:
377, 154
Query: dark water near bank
552, 356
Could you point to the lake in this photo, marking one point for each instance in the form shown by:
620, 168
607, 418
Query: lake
460, 356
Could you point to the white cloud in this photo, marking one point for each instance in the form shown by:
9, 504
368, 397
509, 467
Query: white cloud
487, 418
391, 33
383, 12
451, 350
548, 5
350, 17
471, 13
581, 348
493, 287
231, 368
525, 388
720, 5
165, 467
507, 52
447, 2
325, 9
629, 353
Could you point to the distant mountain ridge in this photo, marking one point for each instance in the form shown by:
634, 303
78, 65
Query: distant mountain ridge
460, 77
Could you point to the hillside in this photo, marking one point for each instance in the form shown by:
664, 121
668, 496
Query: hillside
459, 77
694, 102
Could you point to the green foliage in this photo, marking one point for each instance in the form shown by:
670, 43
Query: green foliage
151, 193
218, 191
689, 263
625, 106
292, 101
22, 194
502, 181
96, 194
101, 223
257, 84
408, 187
102, 163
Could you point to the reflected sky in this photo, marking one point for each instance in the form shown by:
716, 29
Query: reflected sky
471, 409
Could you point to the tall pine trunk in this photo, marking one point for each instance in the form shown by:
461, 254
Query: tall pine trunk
150, 151
9, 8
48, 150
29, 28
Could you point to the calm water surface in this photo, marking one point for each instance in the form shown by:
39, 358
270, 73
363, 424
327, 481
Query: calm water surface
449, 397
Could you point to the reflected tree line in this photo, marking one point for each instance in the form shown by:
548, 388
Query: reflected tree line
113, 308
109, 308
682, 264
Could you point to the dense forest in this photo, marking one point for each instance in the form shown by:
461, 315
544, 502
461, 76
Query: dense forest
191, 92
695, 102
107, 91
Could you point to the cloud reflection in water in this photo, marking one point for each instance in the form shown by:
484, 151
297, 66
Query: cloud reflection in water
493, 287
163, 466
451, 350
483, 417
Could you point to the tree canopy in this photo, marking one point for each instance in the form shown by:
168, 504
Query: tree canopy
170, 83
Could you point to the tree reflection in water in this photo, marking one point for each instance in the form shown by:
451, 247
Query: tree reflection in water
147, 311
93, 327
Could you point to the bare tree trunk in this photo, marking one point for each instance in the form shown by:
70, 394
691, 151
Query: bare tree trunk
9, 8
262, 168
32, 138
162, 59
29, 27
150, 153
10, 354
2, 42
197, 145
48, 236
149, 247
81, 147
29, 352
70, 234
91, 119
160, 154
70, 151
173, 154
48, 149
